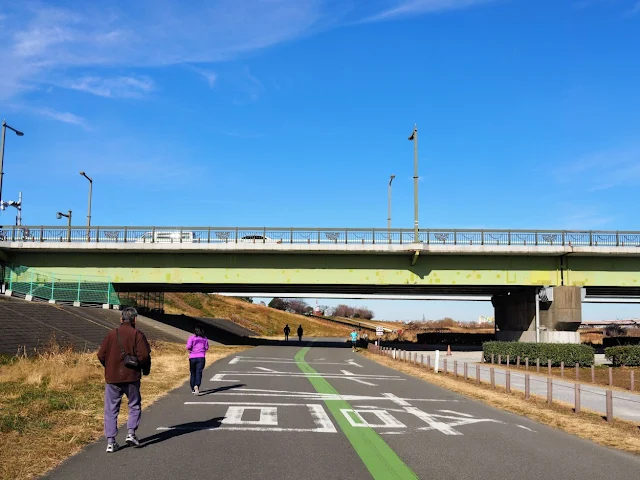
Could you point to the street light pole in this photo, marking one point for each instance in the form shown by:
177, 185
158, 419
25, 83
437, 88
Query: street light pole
414, 138
89, 210
4, 131
389, 208
59, 215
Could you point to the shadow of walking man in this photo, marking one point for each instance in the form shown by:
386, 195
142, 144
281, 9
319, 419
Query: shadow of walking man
178, 430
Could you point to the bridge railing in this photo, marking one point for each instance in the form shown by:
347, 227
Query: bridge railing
343, 236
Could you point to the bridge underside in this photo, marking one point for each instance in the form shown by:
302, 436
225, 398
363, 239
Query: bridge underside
337, 289
510, 281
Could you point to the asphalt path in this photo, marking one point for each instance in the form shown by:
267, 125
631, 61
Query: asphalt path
288, 412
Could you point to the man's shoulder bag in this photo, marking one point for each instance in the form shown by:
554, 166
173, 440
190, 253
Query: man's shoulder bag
130, 361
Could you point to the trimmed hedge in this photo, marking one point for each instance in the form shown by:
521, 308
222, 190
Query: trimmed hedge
569, 353
628, 356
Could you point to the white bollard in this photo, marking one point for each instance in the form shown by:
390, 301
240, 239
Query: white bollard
437, 363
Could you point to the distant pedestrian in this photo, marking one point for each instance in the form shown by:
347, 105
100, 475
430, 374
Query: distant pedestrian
126, 356
354, 340
287, 330
197, 345
300, 331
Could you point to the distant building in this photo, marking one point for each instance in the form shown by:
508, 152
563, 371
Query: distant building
317, 311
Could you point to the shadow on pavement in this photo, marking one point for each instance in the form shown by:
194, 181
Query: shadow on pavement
178, 430
221, 389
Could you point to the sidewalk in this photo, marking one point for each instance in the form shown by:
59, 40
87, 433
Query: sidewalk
626, 406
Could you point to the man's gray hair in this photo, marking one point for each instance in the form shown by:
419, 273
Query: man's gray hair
129, 314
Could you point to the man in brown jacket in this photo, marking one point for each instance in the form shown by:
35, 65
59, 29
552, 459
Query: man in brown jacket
123, 380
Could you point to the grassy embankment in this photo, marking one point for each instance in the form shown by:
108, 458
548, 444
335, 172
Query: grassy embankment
51, 405
588, 425
264, 321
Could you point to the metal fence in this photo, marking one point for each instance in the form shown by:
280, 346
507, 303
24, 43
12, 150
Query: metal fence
348, 236
61, 288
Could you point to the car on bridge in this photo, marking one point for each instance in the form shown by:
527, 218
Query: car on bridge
166, 236
258, 239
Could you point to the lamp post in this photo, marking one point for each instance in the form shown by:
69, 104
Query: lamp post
389, 208
59, 215
4, 131
17, 205
89, 210
414, 138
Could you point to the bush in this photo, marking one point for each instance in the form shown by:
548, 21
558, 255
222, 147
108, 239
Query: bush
628, 356
569, 353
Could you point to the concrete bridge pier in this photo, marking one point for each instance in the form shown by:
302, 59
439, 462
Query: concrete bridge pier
560, 315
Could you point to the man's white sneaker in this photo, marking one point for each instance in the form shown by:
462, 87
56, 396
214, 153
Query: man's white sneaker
132, 440
112, 447
196, 390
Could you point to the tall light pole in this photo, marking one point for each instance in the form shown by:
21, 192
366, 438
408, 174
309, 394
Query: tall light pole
4, 131
89, 210
59, 215
414, 137
389, 208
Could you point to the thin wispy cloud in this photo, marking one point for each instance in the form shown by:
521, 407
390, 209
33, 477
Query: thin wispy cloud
42, 43
118, 87
209, 76
64, 117
403, 8
603, 170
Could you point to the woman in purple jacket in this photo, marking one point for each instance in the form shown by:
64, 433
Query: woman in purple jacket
197, 345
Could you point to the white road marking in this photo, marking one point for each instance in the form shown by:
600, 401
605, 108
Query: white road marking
219, 377
303, 374
249, 429
266, 404
432, 422
321, 419
352, 362
324, 396
234, 360
266, 369
268, 416
456, 413
525, 428
392, 433
388, 420
363, 382
397, 400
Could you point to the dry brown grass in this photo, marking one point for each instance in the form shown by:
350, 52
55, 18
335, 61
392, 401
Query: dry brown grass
588, 425
52, 405
263, 320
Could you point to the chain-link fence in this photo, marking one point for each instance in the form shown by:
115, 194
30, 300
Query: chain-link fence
36, 284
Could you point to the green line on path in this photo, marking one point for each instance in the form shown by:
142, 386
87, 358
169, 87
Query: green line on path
381, 461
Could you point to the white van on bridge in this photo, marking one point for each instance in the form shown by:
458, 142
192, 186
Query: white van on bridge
166, 236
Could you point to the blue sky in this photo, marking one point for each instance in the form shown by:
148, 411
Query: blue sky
283, 113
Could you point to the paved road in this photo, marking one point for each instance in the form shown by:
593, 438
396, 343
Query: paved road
326, 413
